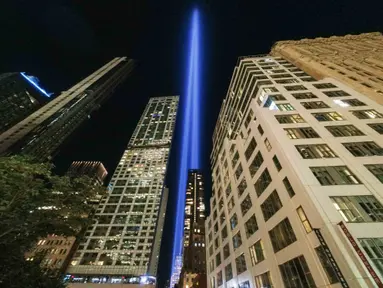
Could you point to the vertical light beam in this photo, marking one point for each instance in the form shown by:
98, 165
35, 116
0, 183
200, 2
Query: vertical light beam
190, 140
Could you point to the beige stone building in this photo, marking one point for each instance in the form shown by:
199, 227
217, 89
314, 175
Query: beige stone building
356, 60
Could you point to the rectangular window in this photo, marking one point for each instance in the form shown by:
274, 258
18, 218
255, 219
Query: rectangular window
240, 262
315, 151
292, 118
250, 149
378, 127
285, 107
324, 86
353, 102
218, 259
239, 171
224, 233
277, 163
306, 95
277, 97
242, 187
245, 284
315, 105
260, 130
226, 251
230, 204
338, 93
300, 133
235, 159
249, 118
287, 81
305, 222
219, 278
256, 164
251, 226
282, 235
233, 221
271, 205
362, 149
246, 205
263, 182
295, 88
268, 145
335, 175
228, 272
257, 253
296, 274
327, 265
328, 116
367, 114
263, 280
376, 170
344, 131
374, 250
237, 240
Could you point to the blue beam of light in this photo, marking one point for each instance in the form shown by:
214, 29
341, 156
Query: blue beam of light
35, 84
190, 141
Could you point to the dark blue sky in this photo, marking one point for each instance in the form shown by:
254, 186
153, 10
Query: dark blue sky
62, 41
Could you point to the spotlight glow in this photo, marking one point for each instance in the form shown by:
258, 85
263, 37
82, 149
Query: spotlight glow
190, 142
34, 82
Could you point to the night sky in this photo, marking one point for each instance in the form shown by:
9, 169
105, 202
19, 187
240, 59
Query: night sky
62, 42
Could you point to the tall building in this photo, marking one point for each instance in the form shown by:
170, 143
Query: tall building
20, 96
123, 244
194, 254
41, 134
93, 169
355, 60
297, 182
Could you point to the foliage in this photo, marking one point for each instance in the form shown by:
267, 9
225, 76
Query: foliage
34, 203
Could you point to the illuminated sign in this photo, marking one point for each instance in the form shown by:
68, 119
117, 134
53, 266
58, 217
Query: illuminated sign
35, 82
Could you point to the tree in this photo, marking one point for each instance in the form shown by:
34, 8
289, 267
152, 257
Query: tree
34, 203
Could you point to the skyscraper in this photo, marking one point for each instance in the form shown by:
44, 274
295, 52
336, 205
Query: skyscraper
123, 244
93, 169
355, 60
194, 253
41, 134
20, 96
297, 182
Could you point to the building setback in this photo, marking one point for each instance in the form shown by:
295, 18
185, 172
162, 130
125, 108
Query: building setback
124, 242
41, 133
297, 169
355, 60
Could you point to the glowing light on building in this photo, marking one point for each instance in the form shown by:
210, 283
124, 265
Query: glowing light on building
190, 142
34, 81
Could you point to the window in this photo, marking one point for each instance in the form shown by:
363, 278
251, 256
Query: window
245, 284
306, 95
218, 259
237, 240
240, 262
250, 149
260, 130
324, 86
239, 171
374, 250
352, 102
344, 131
257, 253
271, 205
256, 164
296, 274
277, 97
282, 235
287, 81
367, 114
378, 127
328, 116
335, 175
228, 272
219, 278
292, 118
263, 280
295, 88
315, 151
300, 133
338, 93
235, 159
233, 221
249, 118
277, 163
361, 149
305, 222
285, 107
315, 105
263, 182
376, 170
242, 187
226, 251
230, 204
251, 226
327, 265
246, 205
268, 145
224, 233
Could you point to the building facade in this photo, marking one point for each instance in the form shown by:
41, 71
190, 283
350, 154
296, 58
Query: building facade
194, 253
20, 96
297, 169
124, 241
355, 60
93, 169
41, 133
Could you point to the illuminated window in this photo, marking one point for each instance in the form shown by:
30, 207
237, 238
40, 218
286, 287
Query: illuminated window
335, 175
362, 149
257, 253
291, 118
367, 114
305, 222
314, 151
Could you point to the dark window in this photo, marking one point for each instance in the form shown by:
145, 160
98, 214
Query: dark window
282, 235
219, 278
361, 149
242, 187
338, 93
285, 107
306, 95
256, 164
291, 118
314, 151
328, 116
367, 114
239, 171
295, 88
233, 221
335, 175
240, 262
224, 233
315, 105
263, 182
271, 205
378, 127
218, 259
324, 86
237, 240
277, 163
376, 170
228, 272
327, 265
344, 131
353, 102
260, 130
264, 280
249, 118
296, 274
226, 251
300, 133
250, 149
251, 226
246, 205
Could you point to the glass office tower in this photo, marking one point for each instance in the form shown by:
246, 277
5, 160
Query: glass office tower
124, 242
41, 133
